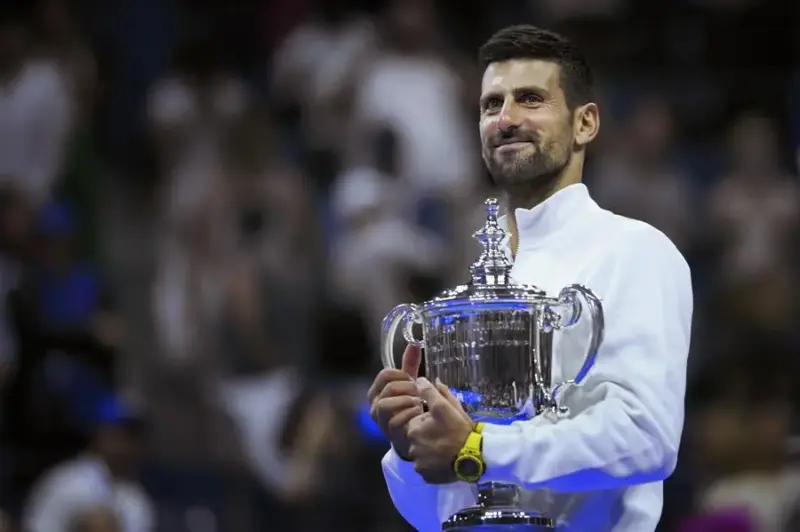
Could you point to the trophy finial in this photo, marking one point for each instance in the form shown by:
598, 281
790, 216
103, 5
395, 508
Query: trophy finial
492, 266
491, 209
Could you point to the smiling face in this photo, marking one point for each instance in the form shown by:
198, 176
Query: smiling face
528, 132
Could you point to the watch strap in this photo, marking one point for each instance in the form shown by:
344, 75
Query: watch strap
470, 452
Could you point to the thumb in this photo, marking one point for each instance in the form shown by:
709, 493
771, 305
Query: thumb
428, 392
412, 358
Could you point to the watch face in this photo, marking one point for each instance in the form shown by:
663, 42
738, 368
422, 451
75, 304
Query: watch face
468, 467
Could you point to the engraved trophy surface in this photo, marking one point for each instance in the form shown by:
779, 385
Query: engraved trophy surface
491, 342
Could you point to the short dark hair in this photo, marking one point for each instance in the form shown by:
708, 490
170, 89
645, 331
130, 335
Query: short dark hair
529, 42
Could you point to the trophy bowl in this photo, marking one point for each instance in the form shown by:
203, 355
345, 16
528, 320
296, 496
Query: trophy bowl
491, 343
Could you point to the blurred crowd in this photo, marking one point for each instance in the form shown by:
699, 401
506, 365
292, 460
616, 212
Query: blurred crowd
207, 207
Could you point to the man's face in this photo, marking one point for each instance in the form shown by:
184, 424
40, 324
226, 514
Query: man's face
525, 126
120, 447
95, 520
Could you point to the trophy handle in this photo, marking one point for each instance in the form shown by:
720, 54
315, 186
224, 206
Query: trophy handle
406, 315
582, 299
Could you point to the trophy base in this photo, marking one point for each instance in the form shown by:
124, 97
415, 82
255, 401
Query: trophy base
498, 519
498, 509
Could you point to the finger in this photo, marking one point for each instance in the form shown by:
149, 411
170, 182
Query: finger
412, 357
385, 376
387, 408
447, 394
403, 418
413, 453
428, 392
395, 388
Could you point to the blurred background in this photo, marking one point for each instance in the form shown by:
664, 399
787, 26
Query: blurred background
207, 206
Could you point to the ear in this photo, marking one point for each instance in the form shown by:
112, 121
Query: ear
586, 123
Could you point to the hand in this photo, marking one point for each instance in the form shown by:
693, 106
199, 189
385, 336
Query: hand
316, 439
437, 436
394, 400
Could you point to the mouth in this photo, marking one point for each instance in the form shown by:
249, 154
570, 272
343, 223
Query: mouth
512, 146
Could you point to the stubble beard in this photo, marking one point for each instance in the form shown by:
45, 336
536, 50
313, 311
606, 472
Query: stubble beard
531, 174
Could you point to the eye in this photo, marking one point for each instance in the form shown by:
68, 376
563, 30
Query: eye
492, 104
530, 98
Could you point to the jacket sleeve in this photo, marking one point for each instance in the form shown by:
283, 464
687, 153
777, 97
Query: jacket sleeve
630, 431
424, 506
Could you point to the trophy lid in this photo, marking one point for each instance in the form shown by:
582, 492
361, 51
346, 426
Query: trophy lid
493, 268
491, 272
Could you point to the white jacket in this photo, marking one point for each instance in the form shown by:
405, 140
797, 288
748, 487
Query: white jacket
600, 470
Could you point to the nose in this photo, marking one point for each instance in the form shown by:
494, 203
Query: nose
508, 119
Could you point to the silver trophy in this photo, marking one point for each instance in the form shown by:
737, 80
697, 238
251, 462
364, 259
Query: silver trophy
491, 342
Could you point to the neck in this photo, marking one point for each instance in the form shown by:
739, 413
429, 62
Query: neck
530, 195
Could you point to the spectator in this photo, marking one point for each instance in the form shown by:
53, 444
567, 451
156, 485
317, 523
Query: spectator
415, 88
328, 479
278, 247
317, 67
754, 305
378, 248
35, 115
61, 41
637, 175
755, 208
742, 429
103, 478
192, 111
98, 519
68, 335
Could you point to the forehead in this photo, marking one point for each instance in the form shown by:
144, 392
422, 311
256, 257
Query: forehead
514, 74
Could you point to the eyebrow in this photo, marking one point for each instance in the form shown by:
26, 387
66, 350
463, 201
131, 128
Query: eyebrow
519, 91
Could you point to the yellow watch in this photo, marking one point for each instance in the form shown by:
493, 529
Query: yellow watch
469, 465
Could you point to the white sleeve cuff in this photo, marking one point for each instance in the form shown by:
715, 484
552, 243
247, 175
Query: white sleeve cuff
401, 469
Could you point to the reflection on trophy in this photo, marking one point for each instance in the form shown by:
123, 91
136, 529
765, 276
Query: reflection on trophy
491, 342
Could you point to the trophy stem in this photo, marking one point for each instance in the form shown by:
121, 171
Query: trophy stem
496, 494
498, 508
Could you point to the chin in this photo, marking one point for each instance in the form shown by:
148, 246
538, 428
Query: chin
525, 152
510, 178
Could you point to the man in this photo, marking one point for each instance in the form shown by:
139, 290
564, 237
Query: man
602, 468
102, 479
99, 519
35, 113
66, 336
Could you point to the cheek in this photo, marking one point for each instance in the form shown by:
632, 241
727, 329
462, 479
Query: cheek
486, 128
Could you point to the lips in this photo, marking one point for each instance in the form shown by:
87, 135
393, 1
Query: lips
513, 145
